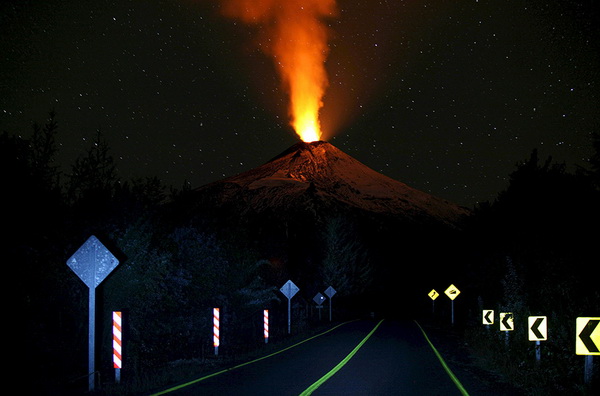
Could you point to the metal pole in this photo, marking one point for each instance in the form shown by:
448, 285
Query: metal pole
588, 369
538, 352
452, 311
289, 315
91, 339
330, 309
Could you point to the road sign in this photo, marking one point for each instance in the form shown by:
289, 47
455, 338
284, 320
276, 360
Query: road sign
506, 321
452, 292
330, 292
319, 298
587, 339
289, 290
488, 317
92, 263
433, 294
538, 328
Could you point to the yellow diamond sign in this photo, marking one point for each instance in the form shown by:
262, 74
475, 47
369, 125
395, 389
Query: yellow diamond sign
433, 294
452, 292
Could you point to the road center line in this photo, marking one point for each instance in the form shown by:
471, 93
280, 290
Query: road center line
341, 364
246, 363
454, 379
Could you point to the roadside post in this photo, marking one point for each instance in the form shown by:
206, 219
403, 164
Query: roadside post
92, 263
506, 324
538, 331
266, 325
117, 345
452, 292
587, 343
330, 292
433, 294
216, 330
318, 299
488, 318
289, 290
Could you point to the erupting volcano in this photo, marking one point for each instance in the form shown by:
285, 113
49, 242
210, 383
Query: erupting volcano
292, 32
320, 178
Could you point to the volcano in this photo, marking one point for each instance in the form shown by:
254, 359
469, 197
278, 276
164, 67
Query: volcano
317, 178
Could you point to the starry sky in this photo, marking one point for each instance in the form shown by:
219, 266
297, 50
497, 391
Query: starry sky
446, 96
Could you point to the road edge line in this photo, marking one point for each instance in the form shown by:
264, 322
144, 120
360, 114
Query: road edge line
180, 386
453, 377
341, 364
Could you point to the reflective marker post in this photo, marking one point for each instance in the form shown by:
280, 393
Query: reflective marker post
117, 345
216, 330
266, 325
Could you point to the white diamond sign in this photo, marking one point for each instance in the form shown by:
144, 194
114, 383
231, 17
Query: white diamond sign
289, 289
92, 262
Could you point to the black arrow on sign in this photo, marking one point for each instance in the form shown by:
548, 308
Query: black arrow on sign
505, 320
534, 328
487, 316
586, 335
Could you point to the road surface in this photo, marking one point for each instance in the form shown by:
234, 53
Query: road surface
389, 357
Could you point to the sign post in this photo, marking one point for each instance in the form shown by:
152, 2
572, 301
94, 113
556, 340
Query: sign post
538, 331
433, 294
506, 323
330, 292
587, 342
318, 299
117, 345
289, 290
452, 292
92, 263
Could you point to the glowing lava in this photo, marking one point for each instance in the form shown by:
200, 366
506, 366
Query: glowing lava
294, 35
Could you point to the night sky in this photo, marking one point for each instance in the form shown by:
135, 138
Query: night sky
446, 96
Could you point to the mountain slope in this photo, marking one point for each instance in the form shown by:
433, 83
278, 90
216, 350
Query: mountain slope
318, 176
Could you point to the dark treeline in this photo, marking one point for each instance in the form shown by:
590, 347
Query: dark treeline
531, 251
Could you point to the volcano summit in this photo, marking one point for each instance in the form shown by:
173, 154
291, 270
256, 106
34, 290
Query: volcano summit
317, 176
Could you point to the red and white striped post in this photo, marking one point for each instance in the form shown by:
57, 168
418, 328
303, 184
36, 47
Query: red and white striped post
216, 334
117, 345
266, 324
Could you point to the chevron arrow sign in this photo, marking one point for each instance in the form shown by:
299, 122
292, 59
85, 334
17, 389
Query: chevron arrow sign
538, 328
506, 321
488, 317
587, 336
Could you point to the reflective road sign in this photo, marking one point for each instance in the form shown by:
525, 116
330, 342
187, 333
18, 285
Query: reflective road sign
587, 336
488, 316
452, 292
506, 321
433, 294
538, 328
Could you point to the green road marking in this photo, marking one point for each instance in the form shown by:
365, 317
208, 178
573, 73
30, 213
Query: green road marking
462, 390
341, 364
246, 363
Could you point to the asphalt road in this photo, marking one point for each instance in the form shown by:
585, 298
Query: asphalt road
371, 358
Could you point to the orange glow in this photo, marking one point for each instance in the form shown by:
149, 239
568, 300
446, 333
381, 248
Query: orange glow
294, 35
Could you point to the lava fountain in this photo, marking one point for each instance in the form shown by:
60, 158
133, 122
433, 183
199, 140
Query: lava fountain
294, 35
